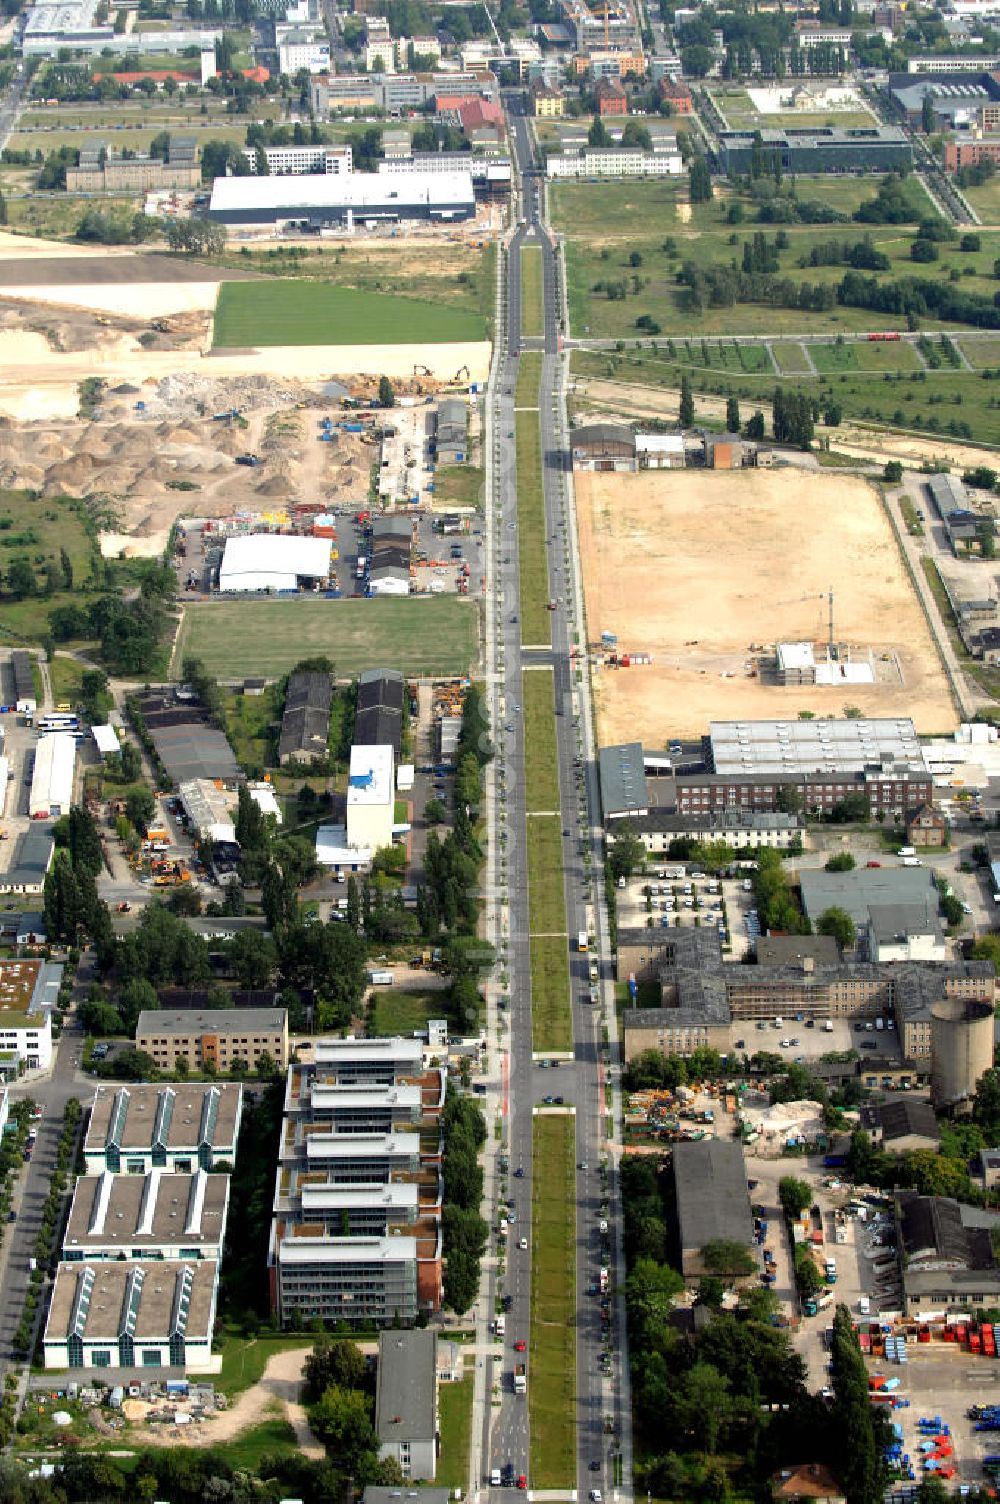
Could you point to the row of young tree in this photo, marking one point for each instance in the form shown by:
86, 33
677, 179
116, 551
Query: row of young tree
464, 1231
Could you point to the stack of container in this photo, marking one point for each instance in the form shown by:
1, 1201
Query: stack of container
895, 1350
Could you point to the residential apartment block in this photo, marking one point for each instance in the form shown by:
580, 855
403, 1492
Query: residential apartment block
221, 1037
135, 1129
356, 1226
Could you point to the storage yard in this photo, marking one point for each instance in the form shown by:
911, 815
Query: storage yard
695, 568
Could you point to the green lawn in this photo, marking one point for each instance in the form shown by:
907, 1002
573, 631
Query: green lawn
946, 401
625, 249
552, 1348
66, 675
435, 635
249, 719
404, 1012
37, 529
551, 1019
791, 358
308, 313
534, 569
456, 276
459, 486
529, 376
546, 893
532, 314
981, 353
541, 770
455, 1413
245, 1358
862, 355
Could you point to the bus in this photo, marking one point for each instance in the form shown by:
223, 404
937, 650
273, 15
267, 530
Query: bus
581, 940
57, 722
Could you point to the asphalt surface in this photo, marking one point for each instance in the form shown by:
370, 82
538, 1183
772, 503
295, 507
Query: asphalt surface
579, 1079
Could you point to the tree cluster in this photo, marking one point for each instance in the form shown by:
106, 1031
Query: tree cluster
773, 898
463, 1229
792, 418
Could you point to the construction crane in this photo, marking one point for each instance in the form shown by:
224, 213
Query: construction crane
603, 8
826, 595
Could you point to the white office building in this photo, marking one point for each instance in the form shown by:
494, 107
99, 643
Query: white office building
615, 162
286, 161
371, 792
310, 54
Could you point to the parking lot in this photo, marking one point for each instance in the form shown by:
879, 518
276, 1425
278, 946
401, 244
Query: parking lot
675, 895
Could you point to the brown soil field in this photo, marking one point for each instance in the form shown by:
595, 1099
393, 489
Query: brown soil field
695, 566
71, 271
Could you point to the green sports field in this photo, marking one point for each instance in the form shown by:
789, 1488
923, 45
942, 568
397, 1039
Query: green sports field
288, 312
421, 636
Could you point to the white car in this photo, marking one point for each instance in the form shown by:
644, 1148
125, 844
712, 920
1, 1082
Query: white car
595, 1496
522, 1243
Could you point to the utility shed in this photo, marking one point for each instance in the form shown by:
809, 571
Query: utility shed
406, 1400
713, 1203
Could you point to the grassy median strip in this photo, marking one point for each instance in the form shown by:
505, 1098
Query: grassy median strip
529, 377
552, 1355
546, 895
541, 771
531, 290
534, 569
551, 1020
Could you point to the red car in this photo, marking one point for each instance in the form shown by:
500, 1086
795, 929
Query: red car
522, 1481
873, 864
520, 1345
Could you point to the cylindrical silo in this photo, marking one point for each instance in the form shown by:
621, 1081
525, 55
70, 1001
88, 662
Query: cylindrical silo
961, 1048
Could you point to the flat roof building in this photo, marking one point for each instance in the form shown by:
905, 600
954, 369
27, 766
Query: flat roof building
273, 561
875, 148
32, 860
132, 1315
325, 199
356, 1216
28, 992
209, 806
157, 1215
406, 1401
819, 745
371, 795
222, 1037
21, 670
138, 1128
305, 722
713, 1202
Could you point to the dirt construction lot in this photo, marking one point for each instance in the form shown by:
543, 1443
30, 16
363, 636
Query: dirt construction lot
696, 566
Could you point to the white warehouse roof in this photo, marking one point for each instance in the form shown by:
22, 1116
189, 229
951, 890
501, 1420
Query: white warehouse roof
52, 777
659, 443
272, 561
106, 738
359, 190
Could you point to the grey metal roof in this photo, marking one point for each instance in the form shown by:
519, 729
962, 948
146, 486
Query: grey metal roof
712, 1197
820, 745
623, 779
31, 858
889, 922
867, 888
191, 749
405, 1389
599, 435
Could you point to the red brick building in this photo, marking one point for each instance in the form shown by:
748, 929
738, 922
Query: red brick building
611, 98
677, 95
959, 154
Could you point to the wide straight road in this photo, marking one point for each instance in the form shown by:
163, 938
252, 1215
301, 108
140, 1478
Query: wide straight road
505, 1435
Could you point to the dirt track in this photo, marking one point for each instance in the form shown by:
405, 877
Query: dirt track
695, 566
277, 1393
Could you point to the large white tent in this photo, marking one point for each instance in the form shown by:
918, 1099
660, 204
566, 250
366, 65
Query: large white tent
273, 561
